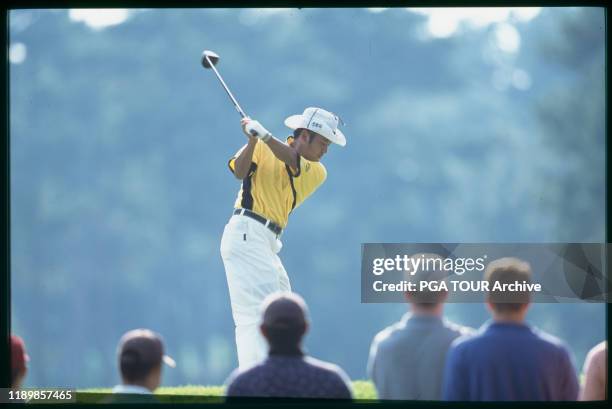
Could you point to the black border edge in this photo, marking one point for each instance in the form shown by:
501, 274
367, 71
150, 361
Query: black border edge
5, 282
5, 297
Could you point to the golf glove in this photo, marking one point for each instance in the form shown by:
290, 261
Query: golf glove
256, 129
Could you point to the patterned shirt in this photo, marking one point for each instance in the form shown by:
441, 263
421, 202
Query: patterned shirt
292, 376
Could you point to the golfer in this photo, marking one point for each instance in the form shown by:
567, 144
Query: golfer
276, 178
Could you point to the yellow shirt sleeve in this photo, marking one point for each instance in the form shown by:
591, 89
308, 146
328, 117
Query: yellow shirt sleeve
256, 155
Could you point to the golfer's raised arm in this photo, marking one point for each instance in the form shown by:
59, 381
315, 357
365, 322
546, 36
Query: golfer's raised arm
242, 164
283, 152
254, 130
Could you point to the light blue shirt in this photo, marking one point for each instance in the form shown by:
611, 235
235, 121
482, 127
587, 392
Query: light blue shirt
407, 359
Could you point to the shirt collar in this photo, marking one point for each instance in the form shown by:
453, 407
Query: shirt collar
286, 352
131, 389
492, 324
285, 358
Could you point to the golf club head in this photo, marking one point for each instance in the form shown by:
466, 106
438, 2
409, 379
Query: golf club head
213, 59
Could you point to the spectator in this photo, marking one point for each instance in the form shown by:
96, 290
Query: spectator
140, 355
596, 373
507, 359
287, 371
407, 358
19, 360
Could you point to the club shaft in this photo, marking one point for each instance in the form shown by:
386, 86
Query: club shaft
225, 87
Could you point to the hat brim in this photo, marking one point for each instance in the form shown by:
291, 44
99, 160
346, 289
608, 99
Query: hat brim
297, 121
169, 361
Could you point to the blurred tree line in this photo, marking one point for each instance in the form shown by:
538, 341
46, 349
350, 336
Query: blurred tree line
120, 189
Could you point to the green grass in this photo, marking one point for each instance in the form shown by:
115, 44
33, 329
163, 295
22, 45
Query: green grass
364, 390
361, 390
174, 390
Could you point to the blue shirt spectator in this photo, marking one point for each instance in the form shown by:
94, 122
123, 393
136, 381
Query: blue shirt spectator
509, 361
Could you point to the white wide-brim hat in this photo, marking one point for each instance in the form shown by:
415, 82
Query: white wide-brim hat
320, 121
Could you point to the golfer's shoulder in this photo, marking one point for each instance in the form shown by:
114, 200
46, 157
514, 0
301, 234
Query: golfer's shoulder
321, 169
312, 169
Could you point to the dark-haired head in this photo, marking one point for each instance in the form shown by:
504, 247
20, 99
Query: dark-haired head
284, 323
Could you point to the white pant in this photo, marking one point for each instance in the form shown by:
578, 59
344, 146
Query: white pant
253, 270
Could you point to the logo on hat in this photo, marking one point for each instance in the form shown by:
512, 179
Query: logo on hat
320, 121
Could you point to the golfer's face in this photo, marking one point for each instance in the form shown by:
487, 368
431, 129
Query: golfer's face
317, 148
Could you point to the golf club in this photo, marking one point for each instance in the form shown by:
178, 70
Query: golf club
209, 60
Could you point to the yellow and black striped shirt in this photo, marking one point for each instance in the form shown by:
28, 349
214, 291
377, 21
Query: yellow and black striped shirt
272, 188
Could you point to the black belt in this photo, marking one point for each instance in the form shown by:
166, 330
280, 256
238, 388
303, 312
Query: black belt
275, 228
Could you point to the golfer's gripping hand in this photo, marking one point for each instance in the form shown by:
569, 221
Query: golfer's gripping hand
253, 129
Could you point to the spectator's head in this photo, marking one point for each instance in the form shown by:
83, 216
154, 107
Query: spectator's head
284, 323
505, 303
141, 353
426, 272
19, 360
